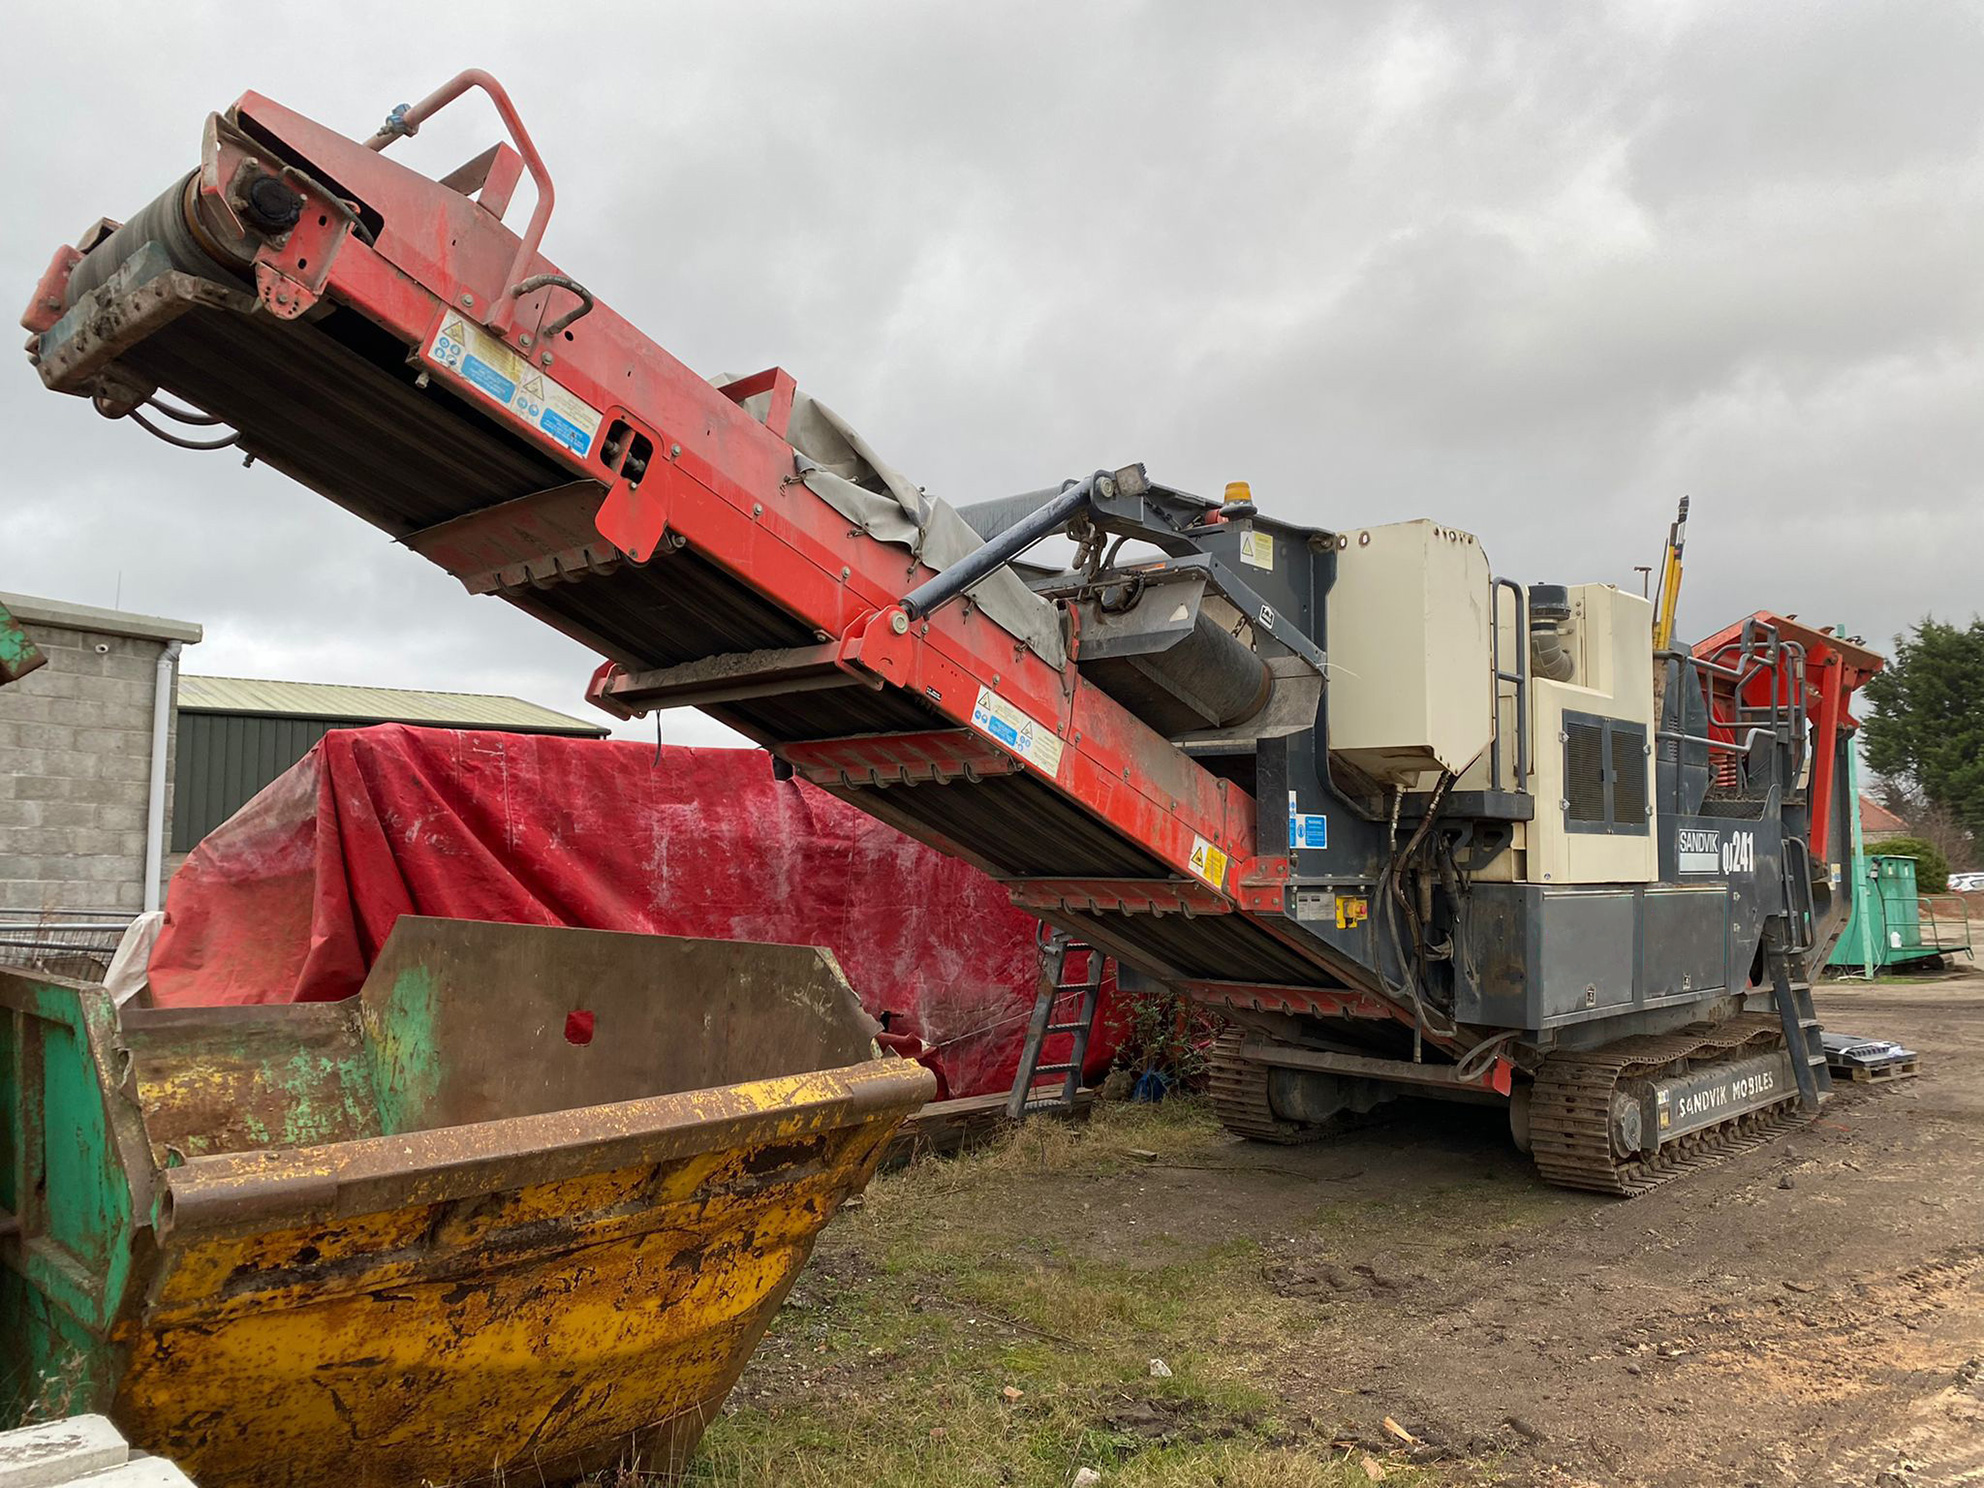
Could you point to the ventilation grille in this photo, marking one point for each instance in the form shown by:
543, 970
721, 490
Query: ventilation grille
1605, 775
1628, 776
1584, 772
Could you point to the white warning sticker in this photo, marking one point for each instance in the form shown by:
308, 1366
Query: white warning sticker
1257, 548
1030, 739
506, 377
1208, 862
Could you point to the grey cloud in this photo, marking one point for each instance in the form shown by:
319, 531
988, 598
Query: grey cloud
1534, 269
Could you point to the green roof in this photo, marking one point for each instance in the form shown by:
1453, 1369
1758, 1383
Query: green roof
246, 695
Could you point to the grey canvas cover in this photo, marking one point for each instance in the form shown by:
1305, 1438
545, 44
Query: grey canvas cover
842, 469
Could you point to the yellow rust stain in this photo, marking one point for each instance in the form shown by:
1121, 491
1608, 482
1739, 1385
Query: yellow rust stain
542, 1325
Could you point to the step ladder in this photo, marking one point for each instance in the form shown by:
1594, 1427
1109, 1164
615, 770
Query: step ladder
1030, 1096
1792, 993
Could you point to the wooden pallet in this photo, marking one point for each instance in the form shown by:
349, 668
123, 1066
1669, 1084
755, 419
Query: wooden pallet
1874, 1074
954, 1126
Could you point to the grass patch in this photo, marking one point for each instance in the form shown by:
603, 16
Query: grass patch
993, 1319
986, 1456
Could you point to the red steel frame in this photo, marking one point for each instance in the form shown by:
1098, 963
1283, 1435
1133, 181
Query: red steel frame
1835, 668
722, 482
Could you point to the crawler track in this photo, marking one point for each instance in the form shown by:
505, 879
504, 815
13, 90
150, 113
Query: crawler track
1239, 1091
1570, 1108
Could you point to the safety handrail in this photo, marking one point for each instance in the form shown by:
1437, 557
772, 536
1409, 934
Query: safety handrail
1687, 670
1519, 677
1932, 917
1759, 652
1727, 746
406, 119
1708, 664
1799, 897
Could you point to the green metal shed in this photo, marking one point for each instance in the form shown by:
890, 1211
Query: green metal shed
236, 734
1903, 926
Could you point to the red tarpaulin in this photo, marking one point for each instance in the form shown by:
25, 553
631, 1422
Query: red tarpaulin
291, 899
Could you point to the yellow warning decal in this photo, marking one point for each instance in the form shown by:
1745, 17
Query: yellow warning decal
1208, 862
1257, 549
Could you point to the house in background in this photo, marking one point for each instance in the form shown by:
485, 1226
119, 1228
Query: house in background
236, 735
1877, 823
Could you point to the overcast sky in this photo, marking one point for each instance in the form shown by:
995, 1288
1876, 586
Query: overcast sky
1530, 269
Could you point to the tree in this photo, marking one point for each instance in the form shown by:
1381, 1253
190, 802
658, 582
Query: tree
1929, 730
1926, 823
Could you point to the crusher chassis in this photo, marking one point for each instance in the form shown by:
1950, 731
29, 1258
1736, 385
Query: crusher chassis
1414, 827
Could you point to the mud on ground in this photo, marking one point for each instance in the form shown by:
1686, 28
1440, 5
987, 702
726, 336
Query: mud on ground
1810, 1312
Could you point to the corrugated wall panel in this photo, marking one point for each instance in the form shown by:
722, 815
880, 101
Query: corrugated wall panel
225, 759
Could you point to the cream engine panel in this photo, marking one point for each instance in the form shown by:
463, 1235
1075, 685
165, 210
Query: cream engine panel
1411, 679
1591, 748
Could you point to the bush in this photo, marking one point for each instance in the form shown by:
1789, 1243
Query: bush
1932, 869
1165, 1034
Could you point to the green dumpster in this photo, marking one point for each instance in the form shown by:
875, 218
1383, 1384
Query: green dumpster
522, 1208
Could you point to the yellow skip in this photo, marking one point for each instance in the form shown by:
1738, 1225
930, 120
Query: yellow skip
435, 1264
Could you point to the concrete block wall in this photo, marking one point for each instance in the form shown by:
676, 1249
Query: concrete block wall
75, 757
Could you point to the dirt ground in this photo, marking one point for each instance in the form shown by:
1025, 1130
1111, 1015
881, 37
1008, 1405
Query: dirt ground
1809, 1312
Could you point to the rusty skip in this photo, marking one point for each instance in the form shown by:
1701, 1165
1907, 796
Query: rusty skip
429, 1233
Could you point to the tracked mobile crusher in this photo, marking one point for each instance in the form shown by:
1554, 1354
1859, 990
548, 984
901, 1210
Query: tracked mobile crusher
1411, 826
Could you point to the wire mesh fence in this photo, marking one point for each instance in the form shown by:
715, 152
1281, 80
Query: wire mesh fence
75, 943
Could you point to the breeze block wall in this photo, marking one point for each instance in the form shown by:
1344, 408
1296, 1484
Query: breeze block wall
75, 756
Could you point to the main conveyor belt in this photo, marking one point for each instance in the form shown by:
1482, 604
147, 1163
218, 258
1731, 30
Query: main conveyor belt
387, 341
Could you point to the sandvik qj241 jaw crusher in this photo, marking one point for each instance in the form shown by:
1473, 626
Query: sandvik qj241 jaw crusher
1412, 827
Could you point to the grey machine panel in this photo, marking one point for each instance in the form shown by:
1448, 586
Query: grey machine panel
1542, 958
1589, 945
1684, 949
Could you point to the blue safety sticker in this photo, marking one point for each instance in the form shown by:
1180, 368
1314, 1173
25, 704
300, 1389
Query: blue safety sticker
492, 368
1030, 739
1306, 829
567, 433
486, 377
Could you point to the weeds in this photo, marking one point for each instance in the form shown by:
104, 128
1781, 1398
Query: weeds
1165, 1035
978, 1321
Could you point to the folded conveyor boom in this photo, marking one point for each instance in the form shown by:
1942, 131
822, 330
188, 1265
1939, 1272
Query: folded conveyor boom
393, 345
